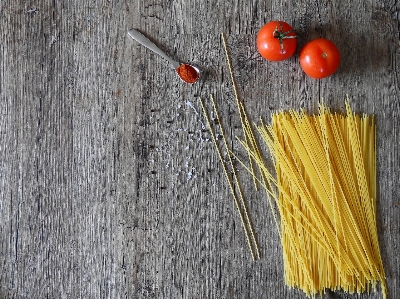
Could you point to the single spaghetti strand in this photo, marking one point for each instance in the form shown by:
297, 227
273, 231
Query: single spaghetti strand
228, 179
228, 60
267, 178
249, 223
249, 130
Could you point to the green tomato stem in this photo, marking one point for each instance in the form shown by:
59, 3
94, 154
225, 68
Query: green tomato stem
281, 35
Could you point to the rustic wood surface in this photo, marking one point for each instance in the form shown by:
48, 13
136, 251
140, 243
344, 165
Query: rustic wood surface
110, 185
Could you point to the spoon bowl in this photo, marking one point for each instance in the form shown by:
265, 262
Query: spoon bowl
188, 73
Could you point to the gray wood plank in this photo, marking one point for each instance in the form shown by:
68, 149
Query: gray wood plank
110, 185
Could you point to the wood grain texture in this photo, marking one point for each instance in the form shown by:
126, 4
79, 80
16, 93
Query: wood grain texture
110, 185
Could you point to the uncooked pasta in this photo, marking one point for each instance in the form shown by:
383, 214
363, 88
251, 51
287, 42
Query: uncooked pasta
322, 195
325, 194
238, 198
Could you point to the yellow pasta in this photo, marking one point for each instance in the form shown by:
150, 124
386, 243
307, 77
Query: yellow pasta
324, 190
325, 194
239, 199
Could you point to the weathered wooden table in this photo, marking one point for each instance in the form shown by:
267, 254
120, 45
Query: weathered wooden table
110, 185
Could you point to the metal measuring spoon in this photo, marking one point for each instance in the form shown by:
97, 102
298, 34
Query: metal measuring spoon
188, 73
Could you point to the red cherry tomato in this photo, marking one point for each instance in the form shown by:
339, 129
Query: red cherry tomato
319, 58
276, 41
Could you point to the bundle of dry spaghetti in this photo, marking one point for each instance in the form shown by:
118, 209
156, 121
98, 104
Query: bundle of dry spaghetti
324, 190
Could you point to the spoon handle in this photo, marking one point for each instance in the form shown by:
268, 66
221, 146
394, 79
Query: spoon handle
151, 46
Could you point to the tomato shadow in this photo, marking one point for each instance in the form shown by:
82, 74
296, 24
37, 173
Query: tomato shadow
359, 51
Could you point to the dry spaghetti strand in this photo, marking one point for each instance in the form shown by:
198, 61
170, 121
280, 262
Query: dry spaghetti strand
250, 236
242, 112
